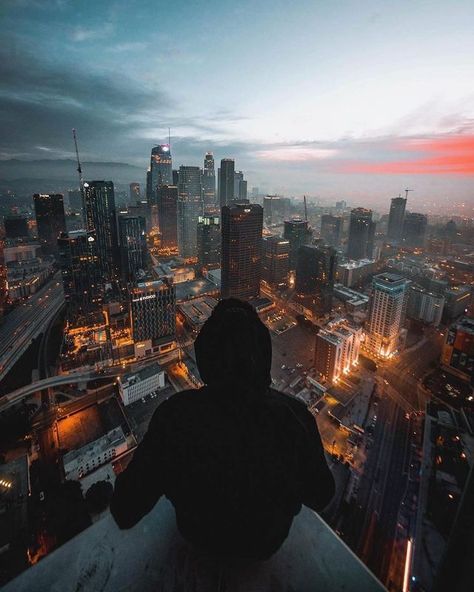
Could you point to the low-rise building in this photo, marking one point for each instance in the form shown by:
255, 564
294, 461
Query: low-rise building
354, 273
424, 306
136, 385
88, 458
196, 312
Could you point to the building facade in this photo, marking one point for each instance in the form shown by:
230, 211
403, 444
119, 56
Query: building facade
160, 170
315, 274
424, 306
132, 246
50, 220
168, 216
331, 229
396, 218
414, 229
361, 234
190, 207
242, 226
153, 311
297, 233
209, 241
458, 349
226, 181
137, 385
209, 180
275, 261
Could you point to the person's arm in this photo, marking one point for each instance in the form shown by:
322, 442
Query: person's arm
140, 486
318, 482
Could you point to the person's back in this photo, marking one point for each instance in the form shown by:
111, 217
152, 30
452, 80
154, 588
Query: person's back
236, 458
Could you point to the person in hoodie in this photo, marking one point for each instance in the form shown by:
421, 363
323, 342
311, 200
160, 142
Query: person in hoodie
236, 458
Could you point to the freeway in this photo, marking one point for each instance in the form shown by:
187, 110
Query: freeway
27, 321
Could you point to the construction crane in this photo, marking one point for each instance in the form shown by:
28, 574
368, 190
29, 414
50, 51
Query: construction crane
81, 180
305, 208
406, 192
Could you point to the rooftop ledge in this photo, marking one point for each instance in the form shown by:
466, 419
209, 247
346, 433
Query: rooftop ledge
152, 556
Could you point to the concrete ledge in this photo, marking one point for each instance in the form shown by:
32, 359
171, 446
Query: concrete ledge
154, 557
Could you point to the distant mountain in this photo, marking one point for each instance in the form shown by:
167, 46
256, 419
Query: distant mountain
65, 170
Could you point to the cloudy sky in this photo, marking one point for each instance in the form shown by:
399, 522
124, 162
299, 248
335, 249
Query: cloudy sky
336, 98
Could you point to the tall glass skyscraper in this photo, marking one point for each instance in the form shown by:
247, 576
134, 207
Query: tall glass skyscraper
50, 219
132, 246
226, 181
414, 229
242, 226
102, 223
167, 216
209, 180
396, 218
161, 170
209, 240
190, 207
297, 233
315, 273
361, 234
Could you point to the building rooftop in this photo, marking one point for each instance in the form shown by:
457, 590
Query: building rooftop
114, 437
141, 374
355, 264
198, 310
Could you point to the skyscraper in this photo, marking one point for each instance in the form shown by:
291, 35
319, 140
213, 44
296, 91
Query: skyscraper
331, 229
414, 229
81, 273
226, 181
135, 194
190, 207
16, 227
240, 185
50, 220
386, 314
168, 216
275, 261
361, 234
315, 272
161, 169
242, 226
209, 241
396, 218
132, 246
298, 233
153, 312
209, 180
102, 222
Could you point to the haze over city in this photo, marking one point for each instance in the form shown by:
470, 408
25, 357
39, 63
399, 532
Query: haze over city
328, 99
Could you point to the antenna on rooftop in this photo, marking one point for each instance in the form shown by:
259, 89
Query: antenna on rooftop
406, 192
81, 180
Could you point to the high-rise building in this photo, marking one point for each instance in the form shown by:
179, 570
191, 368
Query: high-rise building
16, 227
226, 181
209, 180
209, 241
414, 229
336, 351
50, 219
297, 233
135, 194
161, 169
331, 229
81, 273
386, 314
275, 261
458, 349
153, 311
425, 306
190, 207
132, 246
240, 186
75, 200
149, 188
275, 208
168, 216
457, 301
396, 218
102, 221
361, 234
242, 226
315, 273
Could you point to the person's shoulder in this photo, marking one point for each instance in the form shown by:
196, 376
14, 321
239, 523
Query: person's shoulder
284, 399
178, 401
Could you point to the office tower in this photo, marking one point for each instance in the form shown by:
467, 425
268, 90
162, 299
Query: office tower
240, 185
81, 273
425, 306
450, 230
209, 241
50, 220
102, 221
168, 216
175, 177
134, 192
75, 200
241, 260
209, 180
331, 229
153, 311
16, 227
132, 246
414, 229
341, 205
275, 261
149, 189
386, 314
226, 181
458, 349
361, 234
297, 233
275, 208
396, 218
255, 191
315, 272
336, 351
161, 169
457, 301
189, 209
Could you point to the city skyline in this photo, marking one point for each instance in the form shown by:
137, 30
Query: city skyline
358, 103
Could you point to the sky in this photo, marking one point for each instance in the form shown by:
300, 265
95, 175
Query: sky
336, 99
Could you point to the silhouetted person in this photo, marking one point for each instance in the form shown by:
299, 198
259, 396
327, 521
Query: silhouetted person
236, 457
